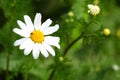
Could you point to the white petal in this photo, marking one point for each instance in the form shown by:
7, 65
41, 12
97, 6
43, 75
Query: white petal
37, 21
21, 32
43, 50
36, 51
45, 24
90, 6
52, 38
54, 41
54, 44
49, 49
20, 41
50, 30
29, 48
23, 26
88, 11
28, 22
25, 43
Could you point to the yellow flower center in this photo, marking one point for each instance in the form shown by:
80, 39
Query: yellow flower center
37, 36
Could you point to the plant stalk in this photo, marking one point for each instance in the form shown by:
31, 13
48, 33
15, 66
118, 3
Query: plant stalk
65, 52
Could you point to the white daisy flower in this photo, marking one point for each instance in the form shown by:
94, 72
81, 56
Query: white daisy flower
36, 36
93, 9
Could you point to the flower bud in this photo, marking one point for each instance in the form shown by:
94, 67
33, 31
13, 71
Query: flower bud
61, 58
118, 33
71, 14
115, 67
106, 32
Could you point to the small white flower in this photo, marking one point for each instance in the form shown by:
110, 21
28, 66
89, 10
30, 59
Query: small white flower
36, 37
115, 67
93, 9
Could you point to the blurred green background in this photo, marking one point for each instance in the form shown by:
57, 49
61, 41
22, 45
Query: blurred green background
94, 56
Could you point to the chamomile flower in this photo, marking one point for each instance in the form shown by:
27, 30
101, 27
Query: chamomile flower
93, 9
36, 36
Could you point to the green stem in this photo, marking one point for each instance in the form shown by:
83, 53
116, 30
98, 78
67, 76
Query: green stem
65, 52
71, 44
9, 38
26, 76
7, 66
51, 75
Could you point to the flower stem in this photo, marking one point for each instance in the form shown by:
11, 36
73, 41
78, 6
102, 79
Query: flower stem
51, 75
26, 76
65, 52
71, 44
7, 66
9, 38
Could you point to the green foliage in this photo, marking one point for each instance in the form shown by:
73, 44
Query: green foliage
85, 54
